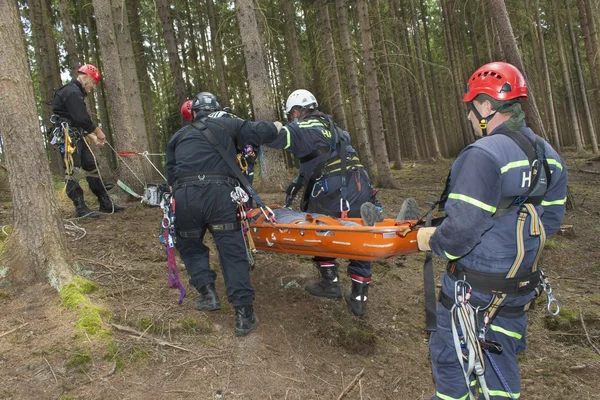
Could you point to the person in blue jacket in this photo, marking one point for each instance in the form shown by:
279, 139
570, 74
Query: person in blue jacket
335, 183
506, 193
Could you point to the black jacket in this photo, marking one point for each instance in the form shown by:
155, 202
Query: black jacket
189, 153
69, 104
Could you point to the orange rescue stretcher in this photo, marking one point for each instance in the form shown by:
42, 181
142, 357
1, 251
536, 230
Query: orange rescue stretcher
332, 237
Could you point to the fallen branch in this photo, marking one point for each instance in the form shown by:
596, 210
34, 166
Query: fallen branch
589, 172
587, 335
287, 377
158, 341
51, 370
351, 385
13, 330
597, 158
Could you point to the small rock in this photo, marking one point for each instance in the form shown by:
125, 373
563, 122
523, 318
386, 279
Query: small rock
381, 373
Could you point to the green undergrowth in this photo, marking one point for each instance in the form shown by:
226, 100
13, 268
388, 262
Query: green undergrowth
73, 296
568, 327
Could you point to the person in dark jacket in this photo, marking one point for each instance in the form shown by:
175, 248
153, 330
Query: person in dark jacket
202, 183
246, 154
335, 183
506, 193
71, 118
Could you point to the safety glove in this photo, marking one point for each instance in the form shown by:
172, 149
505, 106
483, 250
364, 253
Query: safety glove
423, 237
292, 190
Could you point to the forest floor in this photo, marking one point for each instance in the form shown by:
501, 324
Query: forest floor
304, 347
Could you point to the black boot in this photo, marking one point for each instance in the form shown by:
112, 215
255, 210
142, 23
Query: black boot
357, 298
245, 320
75, 193
329, 285
208, 301
105, 203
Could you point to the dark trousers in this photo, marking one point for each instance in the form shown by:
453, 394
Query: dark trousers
199, 206
447, 371
329, 204
83, 159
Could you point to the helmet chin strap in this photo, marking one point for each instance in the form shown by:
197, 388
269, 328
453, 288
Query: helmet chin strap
483, 122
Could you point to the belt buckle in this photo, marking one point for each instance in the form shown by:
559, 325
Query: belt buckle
201, 177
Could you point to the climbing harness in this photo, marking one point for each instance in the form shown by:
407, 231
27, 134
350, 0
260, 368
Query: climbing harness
240, 197
167, 237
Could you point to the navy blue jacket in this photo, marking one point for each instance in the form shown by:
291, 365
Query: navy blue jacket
189, 153
486, 171
69, 104
302, 138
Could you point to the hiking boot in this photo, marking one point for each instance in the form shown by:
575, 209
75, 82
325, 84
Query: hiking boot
208, 301
329, 285
357, 298
370, 214
106, 205
82, 210
75, 193
409, 210
245, 320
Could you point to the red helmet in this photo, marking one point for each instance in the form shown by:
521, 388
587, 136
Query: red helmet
90, 70
186, 110
499, 80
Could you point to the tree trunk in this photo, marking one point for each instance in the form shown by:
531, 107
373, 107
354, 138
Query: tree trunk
215, 40
185, 66
164, 11
53, 79
356, 103
509, 46
433, 145
111, 158
294, 59
144, 81
44, 71
469, 10
434, 87
210, 76
258, 80
580, 80
591, 51
36, 250
384, 175
126, 138
547, 80
333, 96
73, 58
567, 80
455, 73
393, 137
131, 82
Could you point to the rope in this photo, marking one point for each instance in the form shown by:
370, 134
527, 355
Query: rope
500, 376
145, 154
124, 163
112, 204
71, 226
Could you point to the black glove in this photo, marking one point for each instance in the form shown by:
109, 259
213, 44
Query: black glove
292, 190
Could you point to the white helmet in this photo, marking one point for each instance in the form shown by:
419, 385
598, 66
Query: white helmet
302, 98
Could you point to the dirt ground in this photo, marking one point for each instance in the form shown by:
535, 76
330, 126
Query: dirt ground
304, 347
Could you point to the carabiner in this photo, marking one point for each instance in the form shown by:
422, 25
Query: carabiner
319, 189
270, 216
343, 211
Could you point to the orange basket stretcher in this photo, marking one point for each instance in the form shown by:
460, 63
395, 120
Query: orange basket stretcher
320, 235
